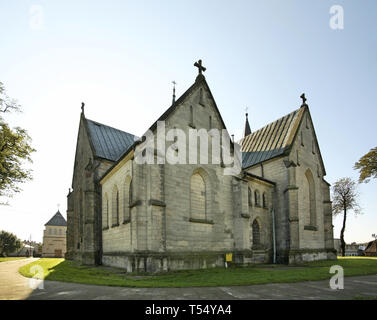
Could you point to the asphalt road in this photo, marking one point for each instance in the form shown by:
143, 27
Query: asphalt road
15, 286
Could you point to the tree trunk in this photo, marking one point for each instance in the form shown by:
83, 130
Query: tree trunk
342, 242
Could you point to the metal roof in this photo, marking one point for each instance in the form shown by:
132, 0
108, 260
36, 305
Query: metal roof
109, 143
270, 141
57, 220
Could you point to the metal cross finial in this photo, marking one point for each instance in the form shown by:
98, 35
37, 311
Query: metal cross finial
246, 109
199, 66
58, 206
82, 107
303, 98
174, 83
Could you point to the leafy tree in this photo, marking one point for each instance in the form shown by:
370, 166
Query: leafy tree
15, 149
345, 197
367, 166
8, 243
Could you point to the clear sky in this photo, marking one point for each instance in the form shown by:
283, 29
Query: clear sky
120, 57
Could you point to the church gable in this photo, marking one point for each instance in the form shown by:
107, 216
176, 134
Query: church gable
197, 110
84, 150
196, 107
273, 140
305, 147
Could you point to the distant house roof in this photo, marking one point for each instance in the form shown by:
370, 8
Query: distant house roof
57, 220
272, 140
371, 247
108, 143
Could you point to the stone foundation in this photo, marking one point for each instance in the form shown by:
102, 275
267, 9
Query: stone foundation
307, 255
162, 262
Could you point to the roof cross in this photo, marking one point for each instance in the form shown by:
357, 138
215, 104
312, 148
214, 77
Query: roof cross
303, 98
199, 66
174, 83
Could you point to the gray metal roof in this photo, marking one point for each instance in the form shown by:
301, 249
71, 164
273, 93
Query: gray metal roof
109, 143
270, 141
57, 220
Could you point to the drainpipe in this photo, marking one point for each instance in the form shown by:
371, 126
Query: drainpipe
273, 235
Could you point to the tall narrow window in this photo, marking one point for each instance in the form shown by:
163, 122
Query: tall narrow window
201, 98
81, 213
210, 122
310, 199
105, 212
127, 200
264, 199
256, 233
115, 207
197, 197
302, 138
191, 116
249, 197
257, 198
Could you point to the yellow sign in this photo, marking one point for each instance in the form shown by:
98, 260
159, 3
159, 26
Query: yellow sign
228, 257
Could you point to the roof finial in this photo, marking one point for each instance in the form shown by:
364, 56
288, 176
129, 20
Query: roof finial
247, 130
58, 206
174, 83
201, 69
303, 100
82, 107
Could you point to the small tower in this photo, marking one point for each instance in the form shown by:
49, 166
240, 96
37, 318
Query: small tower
247, 130
54, 237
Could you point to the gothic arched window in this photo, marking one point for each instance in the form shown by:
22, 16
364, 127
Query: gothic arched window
249, 197
197, 196
257, 198
264, 200
256, 233
191, 116
115, 207
127, 199
105, 212
310, 198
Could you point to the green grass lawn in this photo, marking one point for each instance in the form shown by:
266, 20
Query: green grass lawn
68, 271
11, 258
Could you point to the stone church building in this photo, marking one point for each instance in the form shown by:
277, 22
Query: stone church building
55, 237
163, 216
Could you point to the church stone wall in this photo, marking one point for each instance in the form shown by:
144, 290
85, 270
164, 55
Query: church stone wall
117, 238
84, 203
297, 239
276, 171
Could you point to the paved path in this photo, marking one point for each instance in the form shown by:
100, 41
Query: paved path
13, 286
353, 287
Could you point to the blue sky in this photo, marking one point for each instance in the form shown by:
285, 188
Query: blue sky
120, 57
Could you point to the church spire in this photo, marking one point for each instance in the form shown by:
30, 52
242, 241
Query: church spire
247, 130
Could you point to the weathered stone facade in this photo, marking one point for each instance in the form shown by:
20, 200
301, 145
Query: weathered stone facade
163, 216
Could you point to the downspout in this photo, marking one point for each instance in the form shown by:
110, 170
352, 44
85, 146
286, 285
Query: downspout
273, 236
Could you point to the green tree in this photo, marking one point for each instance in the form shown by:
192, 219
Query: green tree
15, 150
367, 166
344, 198
8, 243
